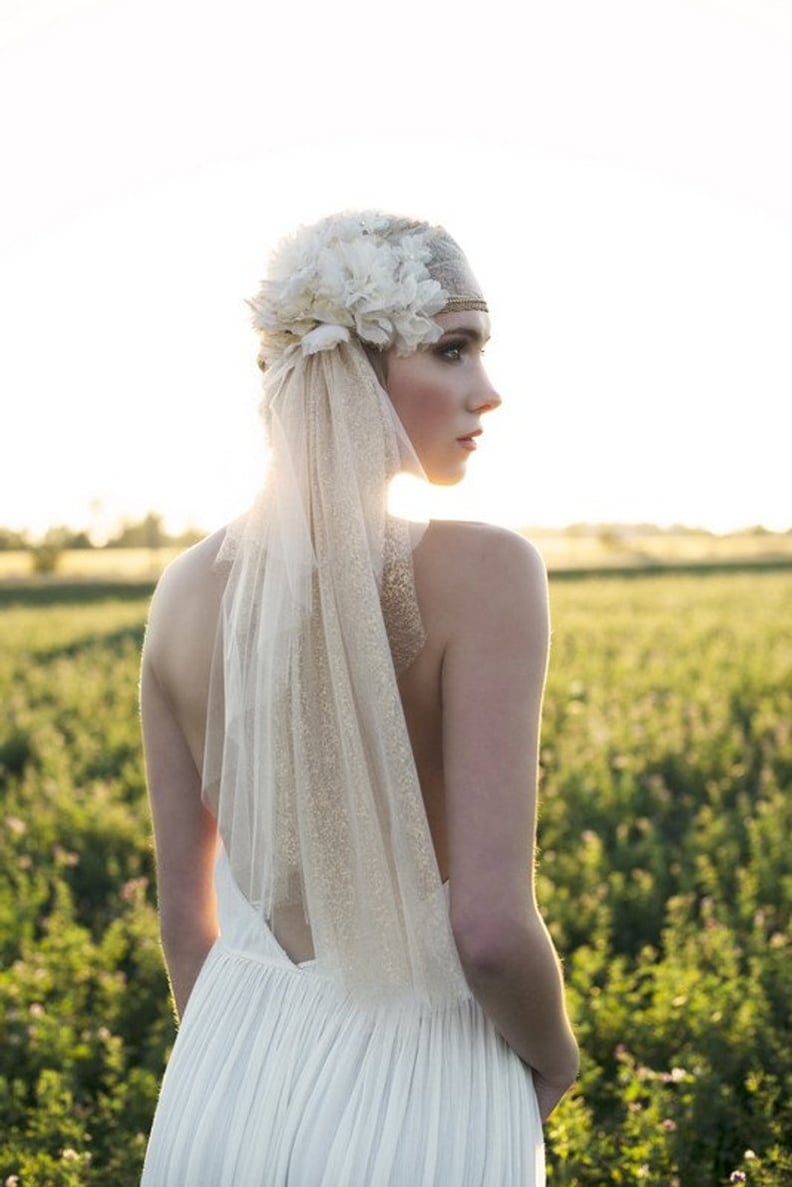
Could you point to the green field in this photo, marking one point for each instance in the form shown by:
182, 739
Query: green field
665, 873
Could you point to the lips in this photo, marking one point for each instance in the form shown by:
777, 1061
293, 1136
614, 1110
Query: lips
467, 442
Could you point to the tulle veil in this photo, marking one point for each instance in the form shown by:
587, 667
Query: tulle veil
308, 764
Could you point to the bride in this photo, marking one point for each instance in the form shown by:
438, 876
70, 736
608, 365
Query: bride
341, 719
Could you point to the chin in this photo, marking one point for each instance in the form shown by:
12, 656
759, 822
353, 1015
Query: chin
446, 478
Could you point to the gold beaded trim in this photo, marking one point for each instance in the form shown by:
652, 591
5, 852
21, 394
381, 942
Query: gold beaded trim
455, 303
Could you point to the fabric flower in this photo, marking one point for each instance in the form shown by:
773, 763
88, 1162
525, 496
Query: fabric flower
324, 337
345, 276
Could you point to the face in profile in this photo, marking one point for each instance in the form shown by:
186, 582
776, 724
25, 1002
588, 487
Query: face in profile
441, 392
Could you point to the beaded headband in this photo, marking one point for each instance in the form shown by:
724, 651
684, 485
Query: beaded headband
459, 303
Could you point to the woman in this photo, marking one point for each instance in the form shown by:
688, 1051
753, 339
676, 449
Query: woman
341, 714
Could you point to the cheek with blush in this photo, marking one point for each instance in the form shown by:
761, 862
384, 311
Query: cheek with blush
427, 394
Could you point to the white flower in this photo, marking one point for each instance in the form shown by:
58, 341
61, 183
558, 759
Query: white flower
324, 337
343, 276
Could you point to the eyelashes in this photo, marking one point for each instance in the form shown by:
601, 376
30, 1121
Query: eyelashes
453, 351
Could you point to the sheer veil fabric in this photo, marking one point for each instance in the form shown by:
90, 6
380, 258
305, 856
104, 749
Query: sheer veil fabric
308, 764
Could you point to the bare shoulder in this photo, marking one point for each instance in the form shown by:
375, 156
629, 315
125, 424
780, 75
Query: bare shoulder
470, 543
477, 566
191, 567
184, 610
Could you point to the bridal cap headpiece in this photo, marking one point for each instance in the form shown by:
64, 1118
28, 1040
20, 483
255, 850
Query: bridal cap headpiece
308, 765
376, 276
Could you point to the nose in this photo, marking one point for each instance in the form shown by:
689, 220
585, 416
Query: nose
485, 398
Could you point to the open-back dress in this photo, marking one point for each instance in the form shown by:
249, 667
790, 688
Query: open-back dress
278, 1080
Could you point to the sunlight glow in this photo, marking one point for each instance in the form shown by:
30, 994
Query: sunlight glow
636, 255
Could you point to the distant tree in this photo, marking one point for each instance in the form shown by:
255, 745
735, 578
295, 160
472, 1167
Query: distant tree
153, 533
187, 538
46, 553
11, 541
143, 533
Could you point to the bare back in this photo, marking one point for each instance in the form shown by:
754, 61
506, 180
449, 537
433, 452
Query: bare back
450, 566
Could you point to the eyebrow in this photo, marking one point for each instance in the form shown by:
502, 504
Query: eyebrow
469, 332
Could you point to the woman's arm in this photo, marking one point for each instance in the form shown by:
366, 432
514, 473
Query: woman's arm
184, 830
493, 679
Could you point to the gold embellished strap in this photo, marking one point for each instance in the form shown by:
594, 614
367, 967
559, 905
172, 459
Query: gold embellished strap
457, 303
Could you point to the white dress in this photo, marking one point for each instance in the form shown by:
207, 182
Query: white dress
277, 1080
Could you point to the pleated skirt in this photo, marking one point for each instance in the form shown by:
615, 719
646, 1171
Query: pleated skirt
276, 1080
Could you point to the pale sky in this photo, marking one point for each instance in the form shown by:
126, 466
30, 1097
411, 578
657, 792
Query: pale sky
619, 173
